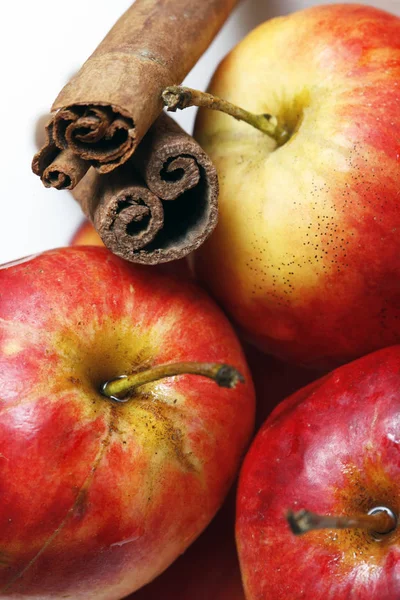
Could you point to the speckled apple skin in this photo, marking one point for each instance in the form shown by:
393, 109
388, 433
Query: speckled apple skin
97, 497
333, 448
306, 253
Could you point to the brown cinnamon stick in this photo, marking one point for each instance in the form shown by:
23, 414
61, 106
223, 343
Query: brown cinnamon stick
124, 212
108, 106
61, 169
168, 159
161, 205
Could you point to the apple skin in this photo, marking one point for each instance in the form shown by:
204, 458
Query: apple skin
98, 497
306, 254
333, 448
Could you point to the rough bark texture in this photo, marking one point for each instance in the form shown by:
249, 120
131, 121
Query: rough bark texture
158, 207
108, 106
161, 203
61, 169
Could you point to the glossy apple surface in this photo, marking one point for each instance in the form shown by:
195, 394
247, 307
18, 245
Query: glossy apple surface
98, 497
332, 448
306, 254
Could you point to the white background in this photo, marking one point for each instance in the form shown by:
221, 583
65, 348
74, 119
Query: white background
42, 43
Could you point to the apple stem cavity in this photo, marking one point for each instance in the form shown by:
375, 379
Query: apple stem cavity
121, 388
177, 96
379, 521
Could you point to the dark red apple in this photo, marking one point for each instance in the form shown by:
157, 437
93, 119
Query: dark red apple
333, 448
98, 496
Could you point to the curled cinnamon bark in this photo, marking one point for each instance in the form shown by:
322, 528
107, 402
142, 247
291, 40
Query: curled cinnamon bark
169, 160
108, 106
125, 213
61, 169
161, 205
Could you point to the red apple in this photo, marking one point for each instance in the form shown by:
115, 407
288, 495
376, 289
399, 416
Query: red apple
209, 569
98, 496
306, 253
86, 235
333, 448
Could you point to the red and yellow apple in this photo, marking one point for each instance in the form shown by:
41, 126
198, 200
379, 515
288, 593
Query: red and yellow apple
332, 448
99, 495
306, 254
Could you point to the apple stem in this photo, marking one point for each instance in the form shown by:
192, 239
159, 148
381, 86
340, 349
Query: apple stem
380, 520
224, 375
177, 96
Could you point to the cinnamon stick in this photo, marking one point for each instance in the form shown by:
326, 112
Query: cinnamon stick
170, 160
161, 205
61, 169
124, 212
108, 106
170, 175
